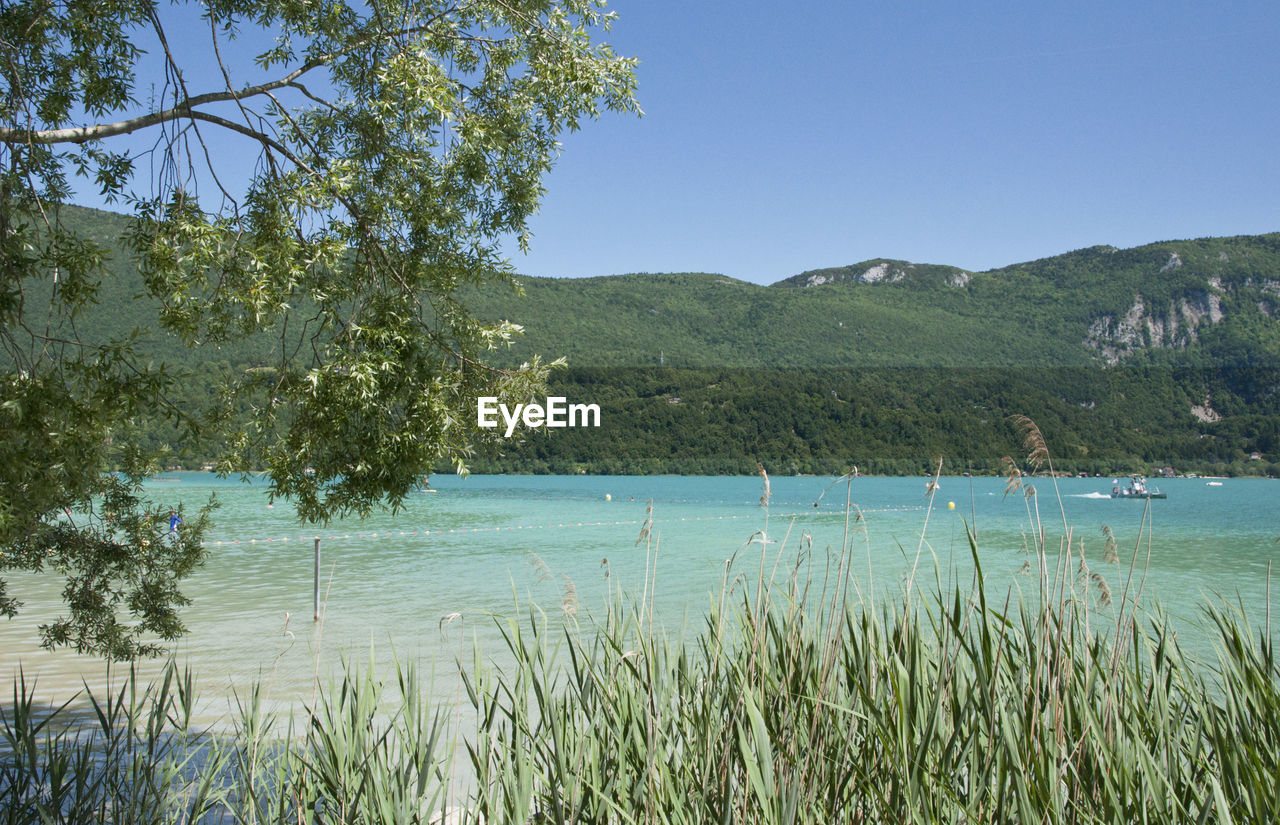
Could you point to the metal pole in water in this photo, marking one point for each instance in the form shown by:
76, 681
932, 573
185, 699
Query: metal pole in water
315, 589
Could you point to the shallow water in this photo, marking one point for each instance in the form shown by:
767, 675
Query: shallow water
479, 546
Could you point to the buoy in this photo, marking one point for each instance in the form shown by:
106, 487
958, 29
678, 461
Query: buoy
951, 505
608, 496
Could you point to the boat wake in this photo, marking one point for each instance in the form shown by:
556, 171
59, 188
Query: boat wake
1089, 495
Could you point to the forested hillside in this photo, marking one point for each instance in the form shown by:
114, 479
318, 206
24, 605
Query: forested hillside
1163, 354
1204, 302
900, 421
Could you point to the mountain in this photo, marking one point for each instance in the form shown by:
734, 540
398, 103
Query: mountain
1203, 302
1199, 302
1168, 353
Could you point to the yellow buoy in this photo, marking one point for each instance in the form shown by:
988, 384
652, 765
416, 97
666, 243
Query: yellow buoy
608, 496
951, 505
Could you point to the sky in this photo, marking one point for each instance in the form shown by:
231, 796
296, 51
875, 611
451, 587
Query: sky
783, 137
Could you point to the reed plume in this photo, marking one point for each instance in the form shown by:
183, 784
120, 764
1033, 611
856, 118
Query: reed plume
1032, 441
1109, 554
540, 567
765, 492
568, 598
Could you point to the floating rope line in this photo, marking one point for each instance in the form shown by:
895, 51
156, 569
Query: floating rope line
535, 495
382, 534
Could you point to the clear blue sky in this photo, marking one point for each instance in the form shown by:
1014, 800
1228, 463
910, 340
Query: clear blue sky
780, 137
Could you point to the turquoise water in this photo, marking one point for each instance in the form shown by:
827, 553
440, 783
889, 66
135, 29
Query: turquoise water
468, 551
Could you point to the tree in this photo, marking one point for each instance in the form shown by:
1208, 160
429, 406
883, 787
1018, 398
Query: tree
396, 143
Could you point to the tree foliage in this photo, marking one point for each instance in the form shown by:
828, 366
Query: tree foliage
393, 146
897, 421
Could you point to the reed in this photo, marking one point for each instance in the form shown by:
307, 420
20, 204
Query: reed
788, 703
961, 711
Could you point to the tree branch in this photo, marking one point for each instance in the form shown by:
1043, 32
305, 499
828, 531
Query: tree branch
185, 109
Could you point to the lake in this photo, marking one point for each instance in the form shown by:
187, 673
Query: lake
479, 546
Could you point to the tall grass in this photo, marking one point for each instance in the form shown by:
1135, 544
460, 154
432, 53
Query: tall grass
955, 710
795, 700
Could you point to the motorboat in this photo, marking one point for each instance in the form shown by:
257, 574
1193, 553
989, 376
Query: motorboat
1137, 489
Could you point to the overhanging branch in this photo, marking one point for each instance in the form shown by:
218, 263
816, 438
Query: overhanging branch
184, 110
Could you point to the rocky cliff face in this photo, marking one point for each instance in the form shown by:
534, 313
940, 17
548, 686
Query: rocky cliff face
1175, 325
879, 271
1268, 298
1179, 323
1199, 284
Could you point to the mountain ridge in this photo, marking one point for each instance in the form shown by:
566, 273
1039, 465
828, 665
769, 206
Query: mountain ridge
1095, 306
1195, 302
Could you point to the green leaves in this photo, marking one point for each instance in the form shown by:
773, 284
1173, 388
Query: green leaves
393, 145
757, 755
